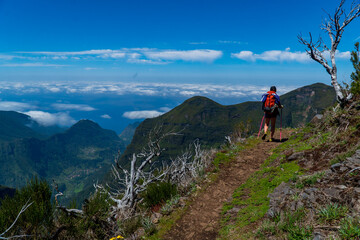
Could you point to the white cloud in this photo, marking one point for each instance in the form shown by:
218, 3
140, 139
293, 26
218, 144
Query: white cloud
132, 55
138, 89
199, 55
357, 39
244, 55
106, 116
231, 42
145, 61
86, 52
142, 114
343, 55
15, 106
51, 119
197, 43
68, 106
273, 56
283, 56
54, 89
31, 65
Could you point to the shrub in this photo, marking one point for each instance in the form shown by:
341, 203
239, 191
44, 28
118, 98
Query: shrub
157, 193
355, 76
37, 220
130, 225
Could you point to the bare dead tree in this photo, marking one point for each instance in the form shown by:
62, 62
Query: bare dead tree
72, 212
187, 167
143, 171
22, 210
334, 26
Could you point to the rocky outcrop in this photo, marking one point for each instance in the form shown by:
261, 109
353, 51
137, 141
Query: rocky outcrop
339, 184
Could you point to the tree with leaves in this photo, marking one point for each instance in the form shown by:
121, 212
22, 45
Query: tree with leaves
355, 76
334, 26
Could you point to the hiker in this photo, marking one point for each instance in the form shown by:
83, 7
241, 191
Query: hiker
271, 105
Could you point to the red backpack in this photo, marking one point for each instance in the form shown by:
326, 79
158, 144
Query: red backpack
269, 104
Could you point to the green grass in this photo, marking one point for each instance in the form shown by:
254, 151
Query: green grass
227, 154
287, 226
252, 196
308, 181
166, 223
332, 212
350, 228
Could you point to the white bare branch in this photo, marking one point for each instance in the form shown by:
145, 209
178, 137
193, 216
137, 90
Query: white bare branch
187, 167
23, 209
143, 171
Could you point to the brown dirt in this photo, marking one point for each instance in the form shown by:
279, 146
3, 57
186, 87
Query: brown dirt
201, 221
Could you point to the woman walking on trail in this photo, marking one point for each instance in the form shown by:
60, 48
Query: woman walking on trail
271, 105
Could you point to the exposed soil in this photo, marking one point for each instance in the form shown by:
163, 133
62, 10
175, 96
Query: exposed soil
201, 221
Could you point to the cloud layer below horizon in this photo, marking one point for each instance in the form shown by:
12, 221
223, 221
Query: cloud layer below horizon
55, 111
130, 88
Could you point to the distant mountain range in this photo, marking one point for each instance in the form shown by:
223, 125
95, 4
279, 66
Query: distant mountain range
14, 125
82, 154
127, 134
74, 158
203, 119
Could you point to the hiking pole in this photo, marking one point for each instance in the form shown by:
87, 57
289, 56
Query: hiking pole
261, 125
280, 123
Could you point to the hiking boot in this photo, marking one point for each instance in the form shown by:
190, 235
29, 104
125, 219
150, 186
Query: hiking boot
264, 136
271, 139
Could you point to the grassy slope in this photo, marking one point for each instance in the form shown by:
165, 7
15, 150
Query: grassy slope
327, 142
203, 119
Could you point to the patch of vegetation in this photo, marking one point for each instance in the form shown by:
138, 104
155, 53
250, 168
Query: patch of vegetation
157, 193
289, 226
350, 228
148, 226
166, 222
37, 220
130, 225
342, 156
228, 153
309, 180
94, 222
166, 209
355, 76
332, 212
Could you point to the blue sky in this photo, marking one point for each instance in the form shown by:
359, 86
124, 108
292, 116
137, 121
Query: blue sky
57, 52
161, 41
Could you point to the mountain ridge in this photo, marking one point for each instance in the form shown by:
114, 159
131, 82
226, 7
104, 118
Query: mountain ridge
75, 158
204, 119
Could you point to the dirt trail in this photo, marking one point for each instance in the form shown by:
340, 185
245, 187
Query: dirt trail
201, 221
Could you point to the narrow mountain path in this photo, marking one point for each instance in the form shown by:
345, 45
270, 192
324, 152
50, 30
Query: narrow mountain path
201, 221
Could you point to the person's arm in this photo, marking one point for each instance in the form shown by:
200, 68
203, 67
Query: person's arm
263, 98
277, 101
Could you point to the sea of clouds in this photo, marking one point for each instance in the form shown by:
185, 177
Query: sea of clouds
113, 104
